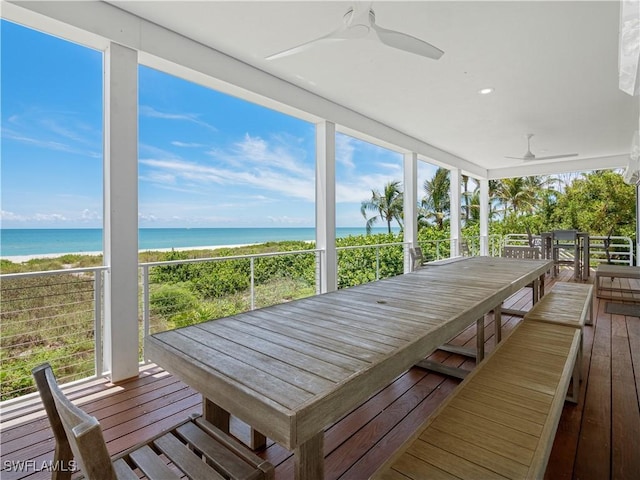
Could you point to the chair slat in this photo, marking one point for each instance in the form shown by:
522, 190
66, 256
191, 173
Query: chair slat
215, 453
124, 471
151, 464
187, 461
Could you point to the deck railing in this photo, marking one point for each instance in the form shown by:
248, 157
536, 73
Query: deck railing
182, 292
616, 249
55, 316
357, 265
58, 315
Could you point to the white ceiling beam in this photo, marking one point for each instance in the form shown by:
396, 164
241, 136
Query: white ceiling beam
567, 166
109, 22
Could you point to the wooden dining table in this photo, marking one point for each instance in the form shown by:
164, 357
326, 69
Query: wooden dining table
292, 369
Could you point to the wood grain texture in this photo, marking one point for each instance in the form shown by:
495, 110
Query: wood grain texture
292, 369
467, 435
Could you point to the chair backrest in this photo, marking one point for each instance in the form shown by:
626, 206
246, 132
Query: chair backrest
417, 258
565, 235
78, 435
529, 253
464, 248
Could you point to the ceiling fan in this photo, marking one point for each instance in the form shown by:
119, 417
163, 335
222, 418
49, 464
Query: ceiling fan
360, 22
531, 156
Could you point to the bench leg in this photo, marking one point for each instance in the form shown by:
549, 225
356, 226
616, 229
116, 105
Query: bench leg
497, 320
575, 388
479, 340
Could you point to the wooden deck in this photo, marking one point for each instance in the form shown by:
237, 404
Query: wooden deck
599, 438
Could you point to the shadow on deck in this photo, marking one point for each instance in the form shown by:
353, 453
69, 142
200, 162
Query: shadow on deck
599, 438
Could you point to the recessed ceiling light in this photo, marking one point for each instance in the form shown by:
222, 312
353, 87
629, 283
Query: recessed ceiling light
485, 91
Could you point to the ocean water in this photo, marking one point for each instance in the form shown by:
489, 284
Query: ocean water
47, 241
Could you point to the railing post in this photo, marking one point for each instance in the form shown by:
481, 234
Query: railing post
146, 314
318, 257
253, 302
377, 263
97, 321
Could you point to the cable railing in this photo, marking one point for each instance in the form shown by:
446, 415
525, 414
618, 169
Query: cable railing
358, 264
54, 315
177, 293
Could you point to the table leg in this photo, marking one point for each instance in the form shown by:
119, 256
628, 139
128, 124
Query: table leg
309, 459
536, 290
479, 340
216, 415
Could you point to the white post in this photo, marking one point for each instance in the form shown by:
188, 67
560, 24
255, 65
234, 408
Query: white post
484, 216
455, 204
410, 200
121, 212
326, 205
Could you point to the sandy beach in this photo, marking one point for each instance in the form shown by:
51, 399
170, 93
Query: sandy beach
26, 258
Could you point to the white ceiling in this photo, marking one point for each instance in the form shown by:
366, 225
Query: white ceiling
553, 65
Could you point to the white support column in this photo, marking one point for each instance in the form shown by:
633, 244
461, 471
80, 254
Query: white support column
326, 205
410, 206
121, 212
484, 216
454, 215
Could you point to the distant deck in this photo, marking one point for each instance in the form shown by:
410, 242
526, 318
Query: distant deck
598, 438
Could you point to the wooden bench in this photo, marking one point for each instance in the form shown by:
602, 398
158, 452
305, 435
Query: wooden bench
567, 304
617, 271
501, 420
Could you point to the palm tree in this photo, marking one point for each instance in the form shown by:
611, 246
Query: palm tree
435, 203
517, 194
387, 206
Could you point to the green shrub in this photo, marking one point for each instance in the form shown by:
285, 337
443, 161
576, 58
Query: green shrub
169, 300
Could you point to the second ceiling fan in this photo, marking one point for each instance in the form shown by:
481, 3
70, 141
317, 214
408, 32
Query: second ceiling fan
530, 156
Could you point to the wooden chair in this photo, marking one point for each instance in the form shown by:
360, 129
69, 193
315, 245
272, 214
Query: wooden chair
524, 253
194, 449
417, 257
566, 241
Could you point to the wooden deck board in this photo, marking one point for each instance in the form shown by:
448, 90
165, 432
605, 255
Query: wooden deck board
596, 439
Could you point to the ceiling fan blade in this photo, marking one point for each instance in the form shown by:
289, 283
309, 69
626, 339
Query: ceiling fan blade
552, 157
336, 35
515, 158
405, 42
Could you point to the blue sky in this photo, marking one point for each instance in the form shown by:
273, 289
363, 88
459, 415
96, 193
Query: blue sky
206, 159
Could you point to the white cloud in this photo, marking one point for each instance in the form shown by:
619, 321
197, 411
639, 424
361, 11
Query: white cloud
285, 220
10, 216
186, 144
148, 111
252, 162
88, 215
49, 217
345, 147
46, 144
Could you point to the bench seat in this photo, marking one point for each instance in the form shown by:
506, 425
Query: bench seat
501, 420
567, 304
